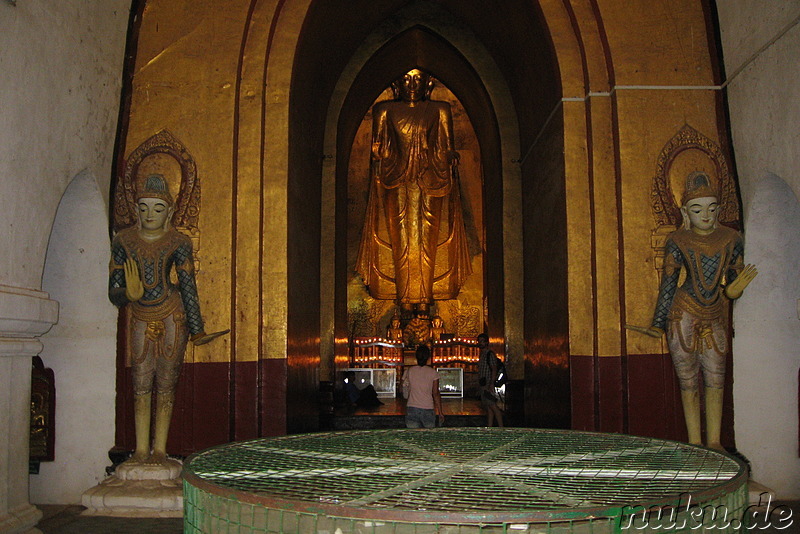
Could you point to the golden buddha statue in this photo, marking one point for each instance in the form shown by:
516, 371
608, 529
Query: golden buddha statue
418, 330
395, 331
437, 328
694, 315
414, 178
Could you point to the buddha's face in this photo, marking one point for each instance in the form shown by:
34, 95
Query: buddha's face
154, 213
702, 214
413, 85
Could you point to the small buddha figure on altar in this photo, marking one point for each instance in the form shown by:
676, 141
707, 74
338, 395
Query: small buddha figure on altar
437, 328
395, 331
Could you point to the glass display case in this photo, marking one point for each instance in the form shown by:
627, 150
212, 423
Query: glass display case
384, 380
451, 381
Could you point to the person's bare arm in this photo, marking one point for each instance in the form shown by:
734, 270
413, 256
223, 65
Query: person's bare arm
437, 400
492, 373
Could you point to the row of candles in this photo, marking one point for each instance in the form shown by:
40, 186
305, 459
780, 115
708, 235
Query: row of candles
394, 343
378, 349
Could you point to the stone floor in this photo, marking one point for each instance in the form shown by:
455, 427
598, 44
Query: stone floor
59, 519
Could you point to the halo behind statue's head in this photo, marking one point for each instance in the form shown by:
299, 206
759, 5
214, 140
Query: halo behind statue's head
698, 185
155, 186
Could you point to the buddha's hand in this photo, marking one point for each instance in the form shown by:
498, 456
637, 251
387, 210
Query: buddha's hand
646, 330
735, 289
201, 338
134, 289
453, 157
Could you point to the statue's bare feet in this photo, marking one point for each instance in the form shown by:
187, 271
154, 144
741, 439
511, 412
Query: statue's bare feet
158, 458
140, 457
717, 446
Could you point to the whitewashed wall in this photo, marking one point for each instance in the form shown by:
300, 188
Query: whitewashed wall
80, 348
61, 64
761, 46
60, 88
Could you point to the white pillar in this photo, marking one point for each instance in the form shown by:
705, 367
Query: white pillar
25, 314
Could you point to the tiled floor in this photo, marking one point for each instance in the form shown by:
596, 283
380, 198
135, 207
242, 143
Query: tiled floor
60, 519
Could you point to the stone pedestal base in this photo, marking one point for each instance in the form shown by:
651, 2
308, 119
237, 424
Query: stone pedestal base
759, 494
138, 490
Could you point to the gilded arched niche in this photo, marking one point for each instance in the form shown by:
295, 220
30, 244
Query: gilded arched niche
688, 151
462, 316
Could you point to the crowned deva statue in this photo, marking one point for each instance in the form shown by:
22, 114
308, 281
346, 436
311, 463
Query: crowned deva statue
162, 317
694, 315
414, 176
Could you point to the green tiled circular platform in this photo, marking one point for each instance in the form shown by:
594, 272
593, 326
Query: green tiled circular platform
460, 480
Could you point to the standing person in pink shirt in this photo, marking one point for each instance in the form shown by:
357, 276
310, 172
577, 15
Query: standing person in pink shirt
421, 388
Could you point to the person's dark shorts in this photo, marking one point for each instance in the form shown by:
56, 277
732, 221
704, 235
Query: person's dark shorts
420, 418
488, 398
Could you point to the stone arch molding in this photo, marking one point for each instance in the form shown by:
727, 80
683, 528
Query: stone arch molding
437, 22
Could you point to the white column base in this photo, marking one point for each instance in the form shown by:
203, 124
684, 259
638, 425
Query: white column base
21, 519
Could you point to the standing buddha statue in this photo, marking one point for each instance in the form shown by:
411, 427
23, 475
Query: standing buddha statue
414, 175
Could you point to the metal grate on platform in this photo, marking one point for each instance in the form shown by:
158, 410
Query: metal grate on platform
455, 480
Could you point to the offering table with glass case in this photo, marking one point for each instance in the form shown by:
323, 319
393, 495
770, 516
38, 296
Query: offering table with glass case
381, 362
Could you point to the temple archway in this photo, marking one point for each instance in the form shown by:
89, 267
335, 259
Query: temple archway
428, 36
571, 106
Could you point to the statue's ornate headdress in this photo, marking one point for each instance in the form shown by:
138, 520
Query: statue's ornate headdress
698, 185
155, 186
